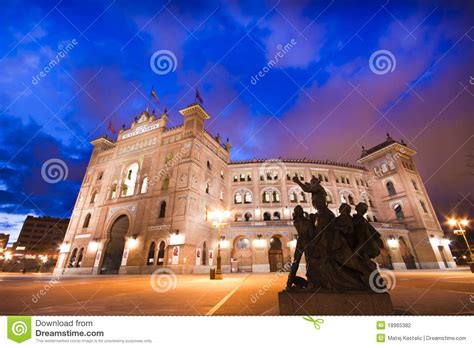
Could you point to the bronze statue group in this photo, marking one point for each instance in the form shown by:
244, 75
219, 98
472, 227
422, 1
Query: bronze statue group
338, 250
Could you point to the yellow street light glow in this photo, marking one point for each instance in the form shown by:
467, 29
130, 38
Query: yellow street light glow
452, 222
464, 222
219, 215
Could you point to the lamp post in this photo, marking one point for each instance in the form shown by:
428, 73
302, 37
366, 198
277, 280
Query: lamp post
219, 217
460, 223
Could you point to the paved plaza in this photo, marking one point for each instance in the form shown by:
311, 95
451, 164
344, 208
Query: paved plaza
415, 292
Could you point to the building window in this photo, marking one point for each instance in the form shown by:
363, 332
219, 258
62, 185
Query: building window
209, 165
242, 177
390, 188
222, 174
162, 210
293, 197
249, 177
248, 216
276, 197
144, 185
87, 220
303, 197
99, 177
242, 244
398, 211
423, 206
113, 191
72, 258
236, 178
248, 197
80, 257
267, 216
276, 216
160, 260
94, 197
238, 198
375, 219
266, 197
221, 195
130, 180
208, 187
150, 260
237, 217
351, 200
415, 186
347, 181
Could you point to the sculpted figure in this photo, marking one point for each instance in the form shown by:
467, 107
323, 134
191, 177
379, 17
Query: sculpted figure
305, 230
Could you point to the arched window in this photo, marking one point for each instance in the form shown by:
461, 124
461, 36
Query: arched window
80, 257
130, 180
72, 258
267, 216
151, 255
265, 197
276, 216
162, 210
113, 191
398, 211
347, 181
248, 197
94, 197
144, 185
423, 206
166, 183
87, 220
390, 188
351, 200
161, 254
303, 197
415, 186
293, 197
209, 165
237, 217
238, 198
248, 216
242, 244
375, 218
276, 197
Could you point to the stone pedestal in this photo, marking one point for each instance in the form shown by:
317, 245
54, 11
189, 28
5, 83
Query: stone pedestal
329, 303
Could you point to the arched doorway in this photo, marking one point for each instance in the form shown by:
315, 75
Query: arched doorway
242, 253
115, 246
407, 256
160, 260
384, 259
275, 254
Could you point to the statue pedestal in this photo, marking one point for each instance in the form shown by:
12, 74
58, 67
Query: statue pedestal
330, 303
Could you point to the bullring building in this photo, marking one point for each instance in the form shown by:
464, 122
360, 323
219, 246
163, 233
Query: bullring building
146, 199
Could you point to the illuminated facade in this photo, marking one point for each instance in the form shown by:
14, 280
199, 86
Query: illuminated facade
145, 199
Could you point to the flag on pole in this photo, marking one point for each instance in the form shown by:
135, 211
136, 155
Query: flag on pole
153, 94
111, 127
198, 96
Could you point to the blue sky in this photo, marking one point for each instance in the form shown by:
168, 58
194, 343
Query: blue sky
321, 100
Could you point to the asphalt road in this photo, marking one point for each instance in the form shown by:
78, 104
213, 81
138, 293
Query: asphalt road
415, 292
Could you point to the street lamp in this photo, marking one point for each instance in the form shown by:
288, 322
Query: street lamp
462, 231
218, 217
